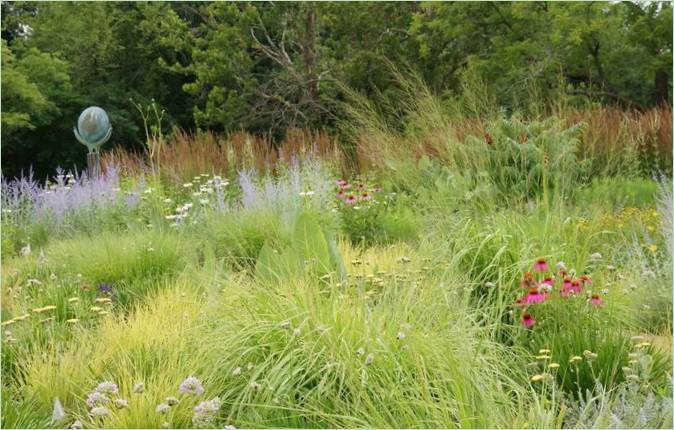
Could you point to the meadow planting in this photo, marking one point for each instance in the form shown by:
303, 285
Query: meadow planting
502, 271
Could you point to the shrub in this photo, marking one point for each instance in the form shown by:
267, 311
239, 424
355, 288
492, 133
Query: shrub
533, 158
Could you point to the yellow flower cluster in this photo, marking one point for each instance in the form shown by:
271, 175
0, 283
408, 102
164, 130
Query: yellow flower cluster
627, 217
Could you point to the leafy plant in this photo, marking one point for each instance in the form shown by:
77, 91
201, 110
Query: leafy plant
309, 251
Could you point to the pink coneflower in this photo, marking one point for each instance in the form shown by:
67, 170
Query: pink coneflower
377, 190
365, 196
528, 281
535, 296
596, 300
341, 182
341, 194
360, 187
585, 280
345, 186
527, 320
548, 281
570, 287
351, 199
541, 265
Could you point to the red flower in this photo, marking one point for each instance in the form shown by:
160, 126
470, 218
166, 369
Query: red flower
596, 300
527, 320
541, 265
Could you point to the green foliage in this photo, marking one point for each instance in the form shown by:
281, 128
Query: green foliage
301, 304
132, 263
239, 240
259, 304
268, 67
530, 159
368, 215
309, 250
31, 88
619, 192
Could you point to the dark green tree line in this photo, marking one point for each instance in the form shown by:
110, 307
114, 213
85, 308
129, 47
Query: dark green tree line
267, 67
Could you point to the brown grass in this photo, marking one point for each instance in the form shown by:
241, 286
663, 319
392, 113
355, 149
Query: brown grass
613, 138
611, 132
187, 155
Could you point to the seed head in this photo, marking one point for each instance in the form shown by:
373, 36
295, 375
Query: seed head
100, 412
369, 359
121, 403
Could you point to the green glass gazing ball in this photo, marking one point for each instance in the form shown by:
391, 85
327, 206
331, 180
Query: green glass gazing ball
93, 124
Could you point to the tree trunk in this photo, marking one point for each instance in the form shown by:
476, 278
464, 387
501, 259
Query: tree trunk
309, 55
661, 88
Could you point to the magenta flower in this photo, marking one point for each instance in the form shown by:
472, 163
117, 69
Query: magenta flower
570, 287
548, 281
341, 182
351, 199
535, 296
527, 320
541, 265
596, 300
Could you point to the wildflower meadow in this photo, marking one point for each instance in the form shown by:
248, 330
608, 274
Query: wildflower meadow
433, 262
498, 282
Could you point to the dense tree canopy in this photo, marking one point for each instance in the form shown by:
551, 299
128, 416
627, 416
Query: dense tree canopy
267, 67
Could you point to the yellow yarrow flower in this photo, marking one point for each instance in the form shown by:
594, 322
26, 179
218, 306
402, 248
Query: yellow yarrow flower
44, 309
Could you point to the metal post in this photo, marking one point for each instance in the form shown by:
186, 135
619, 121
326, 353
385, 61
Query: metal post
94, 165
